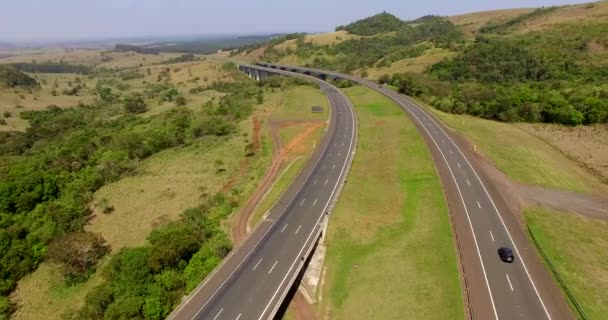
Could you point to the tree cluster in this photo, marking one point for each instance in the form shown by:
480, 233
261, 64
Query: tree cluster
11, 77
52, 67
49, 173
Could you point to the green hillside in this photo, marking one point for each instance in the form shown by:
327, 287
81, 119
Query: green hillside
537, 65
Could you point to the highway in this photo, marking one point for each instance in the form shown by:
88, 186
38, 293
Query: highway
514, 291
254, 281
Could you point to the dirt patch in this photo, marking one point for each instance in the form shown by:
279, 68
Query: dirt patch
587, 145
241, 219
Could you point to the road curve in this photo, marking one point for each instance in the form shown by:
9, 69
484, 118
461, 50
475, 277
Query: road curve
252, 282
521, 290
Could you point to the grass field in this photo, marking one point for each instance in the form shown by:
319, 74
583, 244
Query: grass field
521, 155
577, 247
390, 251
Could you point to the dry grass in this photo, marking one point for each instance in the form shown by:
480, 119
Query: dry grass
596, 12
586, 144
182, 75
123, 60
416, 65
321, 39
42, 295
170, 182
18, 100
73, 56
472, 22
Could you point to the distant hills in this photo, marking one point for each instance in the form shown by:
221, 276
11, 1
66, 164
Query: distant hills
545, 64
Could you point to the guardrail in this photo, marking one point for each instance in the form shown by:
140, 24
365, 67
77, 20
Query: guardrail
557, 276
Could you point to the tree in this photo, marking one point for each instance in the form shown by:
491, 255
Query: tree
385, 78
180, 101
134, 104
78, 252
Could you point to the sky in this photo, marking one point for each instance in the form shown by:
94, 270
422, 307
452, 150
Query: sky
39, 20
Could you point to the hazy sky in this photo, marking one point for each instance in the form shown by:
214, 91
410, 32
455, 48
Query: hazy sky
73, 19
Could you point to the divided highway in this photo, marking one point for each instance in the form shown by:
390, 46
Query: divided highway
253, 281
510, 291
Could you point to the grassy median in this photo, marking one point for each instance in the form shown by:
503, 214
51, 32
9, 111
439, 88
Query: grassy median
577, 247
390, 251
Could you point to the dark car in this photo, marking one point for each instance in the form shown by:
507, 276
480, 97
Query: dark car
506, 254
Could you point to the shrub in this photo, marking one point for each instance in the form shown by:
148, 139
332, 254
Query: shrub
78, 252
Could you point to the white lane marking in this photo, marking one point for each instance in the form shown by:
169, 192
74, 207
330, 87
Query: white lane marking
315, 181
339, 154
274, 265
326, 180
298, 230
459, 166
479, 204
341, 176
239, 316
313, 204
502, 222
257, 264
509, 280
285, 226
334, 166
302, 202
468, 182
451, 152
218, 314
491, 235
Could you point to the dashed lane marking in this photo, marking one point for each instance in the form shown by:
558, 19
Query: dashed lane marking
272, 268
257, 264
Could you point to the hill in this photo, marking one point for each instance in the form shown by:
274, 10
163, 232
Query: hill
10, 77
546, 64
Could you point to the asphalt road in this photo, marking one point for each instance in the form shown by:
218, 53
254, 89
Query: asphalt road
253, 285
512, 290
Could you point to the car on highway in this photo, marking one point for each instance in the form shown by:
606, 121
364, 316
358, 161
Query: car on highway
506, 254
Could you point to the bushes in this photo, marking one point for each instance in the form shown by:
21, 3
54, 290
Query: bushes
49, 173
10, 77
382, 22
77, 252
52, 67
147, 282
491, 60
134, 104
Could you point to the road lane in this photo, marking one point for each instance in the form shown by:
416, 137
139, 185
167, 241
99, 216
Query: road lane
483, 216
255, 288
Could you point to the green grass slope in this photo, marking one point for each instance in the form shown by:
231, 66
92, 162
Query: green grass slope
390, 251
